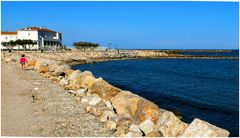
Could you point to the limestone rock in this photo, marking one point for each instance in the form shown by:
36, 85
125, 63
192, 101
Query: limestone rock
200, 128
73, 84
108, 116
43, 70
123, 122
169, 125
109, 105
71, 92
104, 89
87, 73
121, 131
147, 109
125, 103
63, 82
135, 128
91, 100
48, 75
81, 92
96, 110
147, 126
133, 134
68, 72
53, 67
40, 63
87, 81
75, 74
153, 134
61, 70
79, 80
54, 79
31, 63
110, 125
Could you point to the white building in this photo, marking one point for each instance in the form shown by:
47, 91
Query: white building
46, 39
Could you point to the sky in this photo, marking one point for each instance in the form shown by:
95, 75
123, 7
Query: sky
131, 25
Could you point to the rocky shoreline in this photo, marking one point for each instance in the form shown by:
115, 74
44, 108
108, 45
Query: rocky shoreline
123, 112
80, 57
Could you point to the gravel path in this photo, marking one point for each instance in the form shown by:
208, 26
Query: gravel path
33, 106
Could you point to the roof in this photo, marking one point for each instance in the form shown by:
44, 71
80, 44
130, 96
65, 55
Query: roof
36, 29
8, 33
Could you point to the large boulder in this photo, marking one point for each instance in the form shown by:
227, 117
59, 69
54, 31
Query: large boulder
81, 92
154, 134
43, 69
133, 134
61, 70
73, 84
31, 63
75, 74
134, 128
125, 103
93, 100
48, 75
108, 116
68, 72
97, 110
110, 125
145, 110
104, 89
169, 125
63, 82
54, 79
88, 73
121, 131
79, 80
87, 81
200, 128
53, 67
147, 126
109, 105
122, 121
40, 63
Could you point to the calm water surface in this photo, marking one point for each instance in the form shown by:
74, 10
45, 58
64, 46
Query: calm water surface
198, 88
233, 53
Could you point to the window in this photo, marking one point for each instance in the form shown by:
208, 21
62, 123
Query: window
28, 34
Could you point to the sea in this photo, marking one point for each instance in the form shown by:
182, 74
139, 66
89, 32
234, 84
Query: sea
207, 89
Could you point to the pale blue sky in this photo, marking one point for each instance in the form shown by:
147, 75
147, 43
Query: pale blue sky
134, 25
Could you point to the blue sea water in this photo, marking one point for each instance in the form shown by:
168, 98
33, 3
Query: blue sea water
233, 53
198, 88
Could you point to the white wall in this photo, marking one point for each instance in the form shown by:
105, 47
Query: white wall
6, 38
24, 34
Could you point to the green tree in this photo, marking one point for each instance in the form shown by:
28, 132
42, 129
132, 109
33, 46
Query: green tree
85, 45
25, 42
9, 45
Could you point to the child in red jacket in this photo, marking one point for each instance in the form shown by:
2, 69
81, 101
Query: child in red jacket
23, 61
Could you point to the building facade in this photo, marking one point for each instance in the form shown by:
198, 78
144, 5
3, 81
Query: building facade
45, 39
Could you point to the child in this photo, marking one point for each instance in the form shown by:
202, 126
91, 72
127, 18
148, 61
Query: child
23, 60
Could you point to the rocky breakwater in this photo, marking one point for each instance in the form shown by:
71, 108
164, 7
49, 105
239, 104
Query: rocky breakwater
123, 112
78, 57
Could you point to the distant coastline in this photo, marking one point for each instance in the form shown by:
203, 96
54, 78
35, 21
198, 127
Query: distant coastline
170, 54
